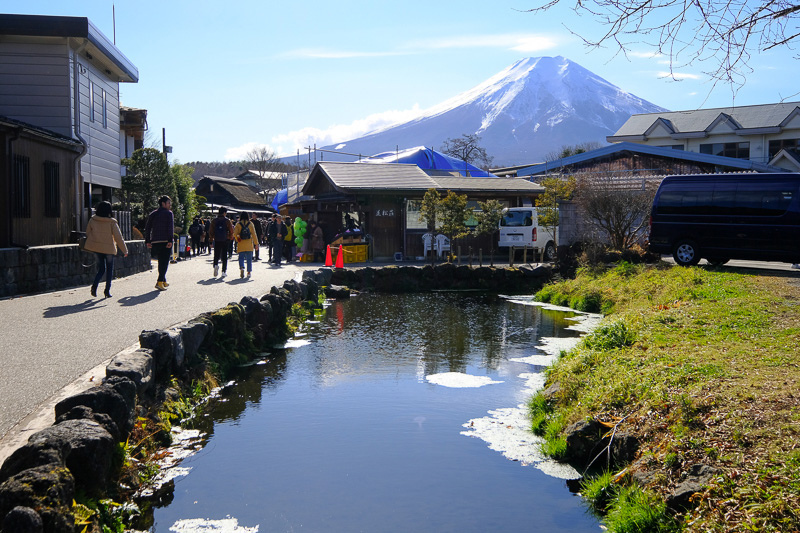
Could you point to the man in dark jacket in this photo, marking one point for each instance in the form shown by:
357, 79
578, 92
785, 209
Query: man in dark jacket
221, 234
259, 234
158, 234
277, 233
271, 237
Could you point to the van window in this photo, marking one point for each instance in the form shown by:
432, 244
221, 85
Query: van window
747, 200
517, 219
761, 202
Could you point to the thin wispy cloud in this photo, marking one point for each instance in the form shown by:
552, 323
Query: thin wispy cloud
289, 143
519, 42
644, 55
321, 53
679, 75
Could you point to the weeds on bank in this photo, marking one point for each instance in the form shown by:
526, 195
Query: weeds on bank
702, 364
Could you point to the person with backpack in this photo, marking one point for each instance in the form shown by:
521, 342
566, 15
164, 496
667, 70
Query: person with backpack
246, 242
221, 233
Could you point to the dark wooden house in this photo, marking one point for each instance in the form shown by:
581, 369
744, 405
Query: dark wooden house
383, 201
39, 184
232, 194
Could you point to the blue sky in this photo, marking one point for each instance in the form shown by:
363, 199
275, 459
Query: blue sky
224, 76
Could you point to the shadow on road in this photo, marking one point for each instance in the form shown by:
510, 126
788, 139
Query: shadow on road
63, 310
140, 299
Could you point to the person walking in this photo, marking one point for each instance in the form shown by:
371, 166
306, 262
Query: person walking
317, 242
288, 241
246, 242
158, 235
103, 236
270, 234
196, 234
279, 232
221, 232
259, 236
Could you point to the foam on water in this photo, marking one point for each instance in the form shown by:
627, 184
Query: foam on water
507, 430
460, 380
205, 525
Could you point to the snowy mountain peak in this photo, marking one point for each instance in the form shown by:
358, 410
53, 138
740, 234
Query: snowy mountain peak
529, 109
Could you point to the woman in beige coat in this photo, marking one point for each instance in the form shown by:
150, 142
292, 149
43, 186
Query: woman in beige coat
102, 237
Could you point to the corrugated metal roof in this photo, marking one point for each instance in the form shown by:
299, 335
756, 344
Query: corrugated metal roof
404, 177
754, 116
730, 162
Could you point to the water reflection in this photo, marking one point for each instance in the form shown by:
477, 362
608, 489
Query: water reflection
346, 433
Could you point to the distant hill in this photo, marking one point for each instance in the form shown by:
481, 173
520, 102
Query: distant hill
530, 109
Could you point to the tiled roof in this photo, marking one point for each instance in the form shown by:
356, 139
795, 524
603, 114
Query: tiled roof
237, 189
744, 117
404, 177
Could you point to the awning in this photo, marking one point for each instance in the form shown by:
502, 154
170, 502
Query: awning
263, 211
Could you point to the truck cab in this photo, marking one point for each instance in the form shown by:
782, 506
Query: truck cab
520, 227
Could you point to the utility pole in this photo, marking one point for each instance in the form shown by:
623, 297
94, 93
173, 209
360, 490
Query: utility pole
164, 148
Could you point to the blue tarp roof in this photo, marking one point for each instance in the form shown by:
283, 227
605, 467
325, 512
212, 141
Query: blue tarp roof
281, 198
429, 159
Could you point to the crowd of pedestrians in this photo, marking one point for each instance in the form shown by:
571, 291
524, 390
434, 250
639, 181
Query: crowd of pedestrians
219, 236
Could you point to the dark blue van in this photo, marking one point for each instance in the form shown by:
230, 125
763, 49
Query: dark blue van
727, 216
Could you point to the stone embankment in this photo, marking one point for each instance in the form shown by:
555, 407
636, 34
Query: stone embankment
49, 268
79, 453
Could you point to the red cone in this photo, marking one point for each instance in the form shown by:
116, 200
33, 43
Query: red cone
340, 258
328, 260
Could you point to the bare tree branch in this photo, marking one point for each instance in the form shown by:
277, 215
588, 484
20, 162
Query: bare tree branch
720, 35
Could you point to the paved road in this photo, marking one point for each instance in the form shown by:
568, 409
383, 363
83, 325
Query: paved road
51, 344
737, 263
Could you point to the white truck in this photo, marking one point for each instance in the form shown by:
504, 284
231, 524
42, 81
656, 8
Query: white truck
520, 227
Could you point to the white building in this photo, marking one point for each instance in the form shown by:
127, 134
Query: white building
768, 133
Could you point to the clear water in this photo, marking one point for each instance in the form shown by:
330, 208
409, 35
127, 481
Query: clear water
345, 432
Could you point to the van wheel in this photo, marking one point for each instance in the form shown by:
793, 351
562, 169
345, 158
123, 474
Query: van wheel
550, 252
686, 253
716, 261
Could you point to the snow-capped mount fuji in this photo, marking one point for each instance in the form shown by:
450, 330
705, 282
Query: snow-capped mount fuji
530, 109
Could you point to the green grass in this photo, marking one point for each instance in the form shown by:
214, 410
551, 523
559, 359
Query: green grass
702, 366
633, 510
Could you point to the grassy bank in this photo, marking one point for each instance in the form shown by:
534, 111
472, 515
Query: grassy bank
702, 366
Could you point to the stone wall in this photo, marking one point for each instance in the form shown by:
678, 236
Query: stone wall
49, 268
40, 480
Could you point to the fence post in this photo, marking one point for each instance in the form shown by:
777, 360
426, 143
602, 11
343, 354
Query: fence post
511, 256
480, 257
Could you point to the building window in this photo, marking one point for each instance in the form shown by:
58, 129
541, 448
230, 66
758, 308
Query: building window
735, 150
91, 101
22, 186
52, 196
781, 144
105, 108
